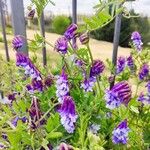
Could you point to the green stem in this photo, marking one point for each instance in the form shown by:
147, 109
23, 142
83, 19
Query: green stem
89, 50
49, 44
91, 57
46, 113
136, 91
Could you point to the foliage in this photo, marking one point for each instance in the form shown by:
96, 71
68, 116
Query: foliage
36, 119
60, 24
128, 25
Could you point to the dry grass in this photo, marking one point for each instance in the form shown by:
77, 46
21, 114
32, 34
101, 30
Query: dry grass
100, 49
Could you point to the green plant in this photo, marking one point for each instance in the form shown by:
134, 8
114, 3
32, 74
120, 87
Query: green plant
60, 23
128, 25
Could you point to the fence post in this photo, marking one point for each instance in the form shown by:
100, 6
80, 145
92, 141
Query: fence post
3, 29
74, 11
42, 30
74, 19
18, 21
116, 43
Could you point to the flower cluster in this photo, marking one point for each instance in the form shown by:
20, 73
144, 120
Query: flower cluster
16, 119
97, 68
88, 84
145, 98
130, 63
17, 42
68, 114
120, 93
30, 70
70, 33
61, 45
62, 86
144, 72
120, 134
136, 39
121, 63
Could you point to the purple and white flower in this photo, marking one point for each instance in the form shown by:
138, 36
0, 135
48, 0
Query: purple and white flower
68, 114
144, 72
148, 87
17, 42
120, 134
130, 63
88, 84
143, 98
70, 33
64, 146
121, 63
119, 94
94, 128
62, 86
30, 69
97, 68
136, 39
61, 45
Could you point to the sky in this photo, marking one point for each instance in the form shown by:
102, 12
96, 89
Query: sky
86, 6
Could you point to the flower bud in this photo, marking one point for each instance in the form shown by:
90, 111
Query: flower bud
84, 38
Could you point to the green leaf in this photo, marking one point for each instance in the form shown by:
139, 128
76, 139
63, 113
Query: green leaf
54, 135
134, 109
52, 122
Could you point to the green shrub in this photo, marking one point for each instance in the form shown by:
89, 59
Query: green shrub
60, 23
140, 24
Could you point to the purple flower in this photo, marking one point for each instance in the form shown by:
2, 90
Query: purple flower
31, 14
61, 45
64, 146
71, 31
120, 134
84, 38
49, 146
48, 81
144, 72
12, 97
130, 63
148, 87
111, 78
34, 112
68, 114
37, 85
15, 121
136, 39
17, 42
97, 68
2, 146
79, 62
121, 63
120, 93
30, 89
94, 128
88, 84
30, 70
145, 99
62, 86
